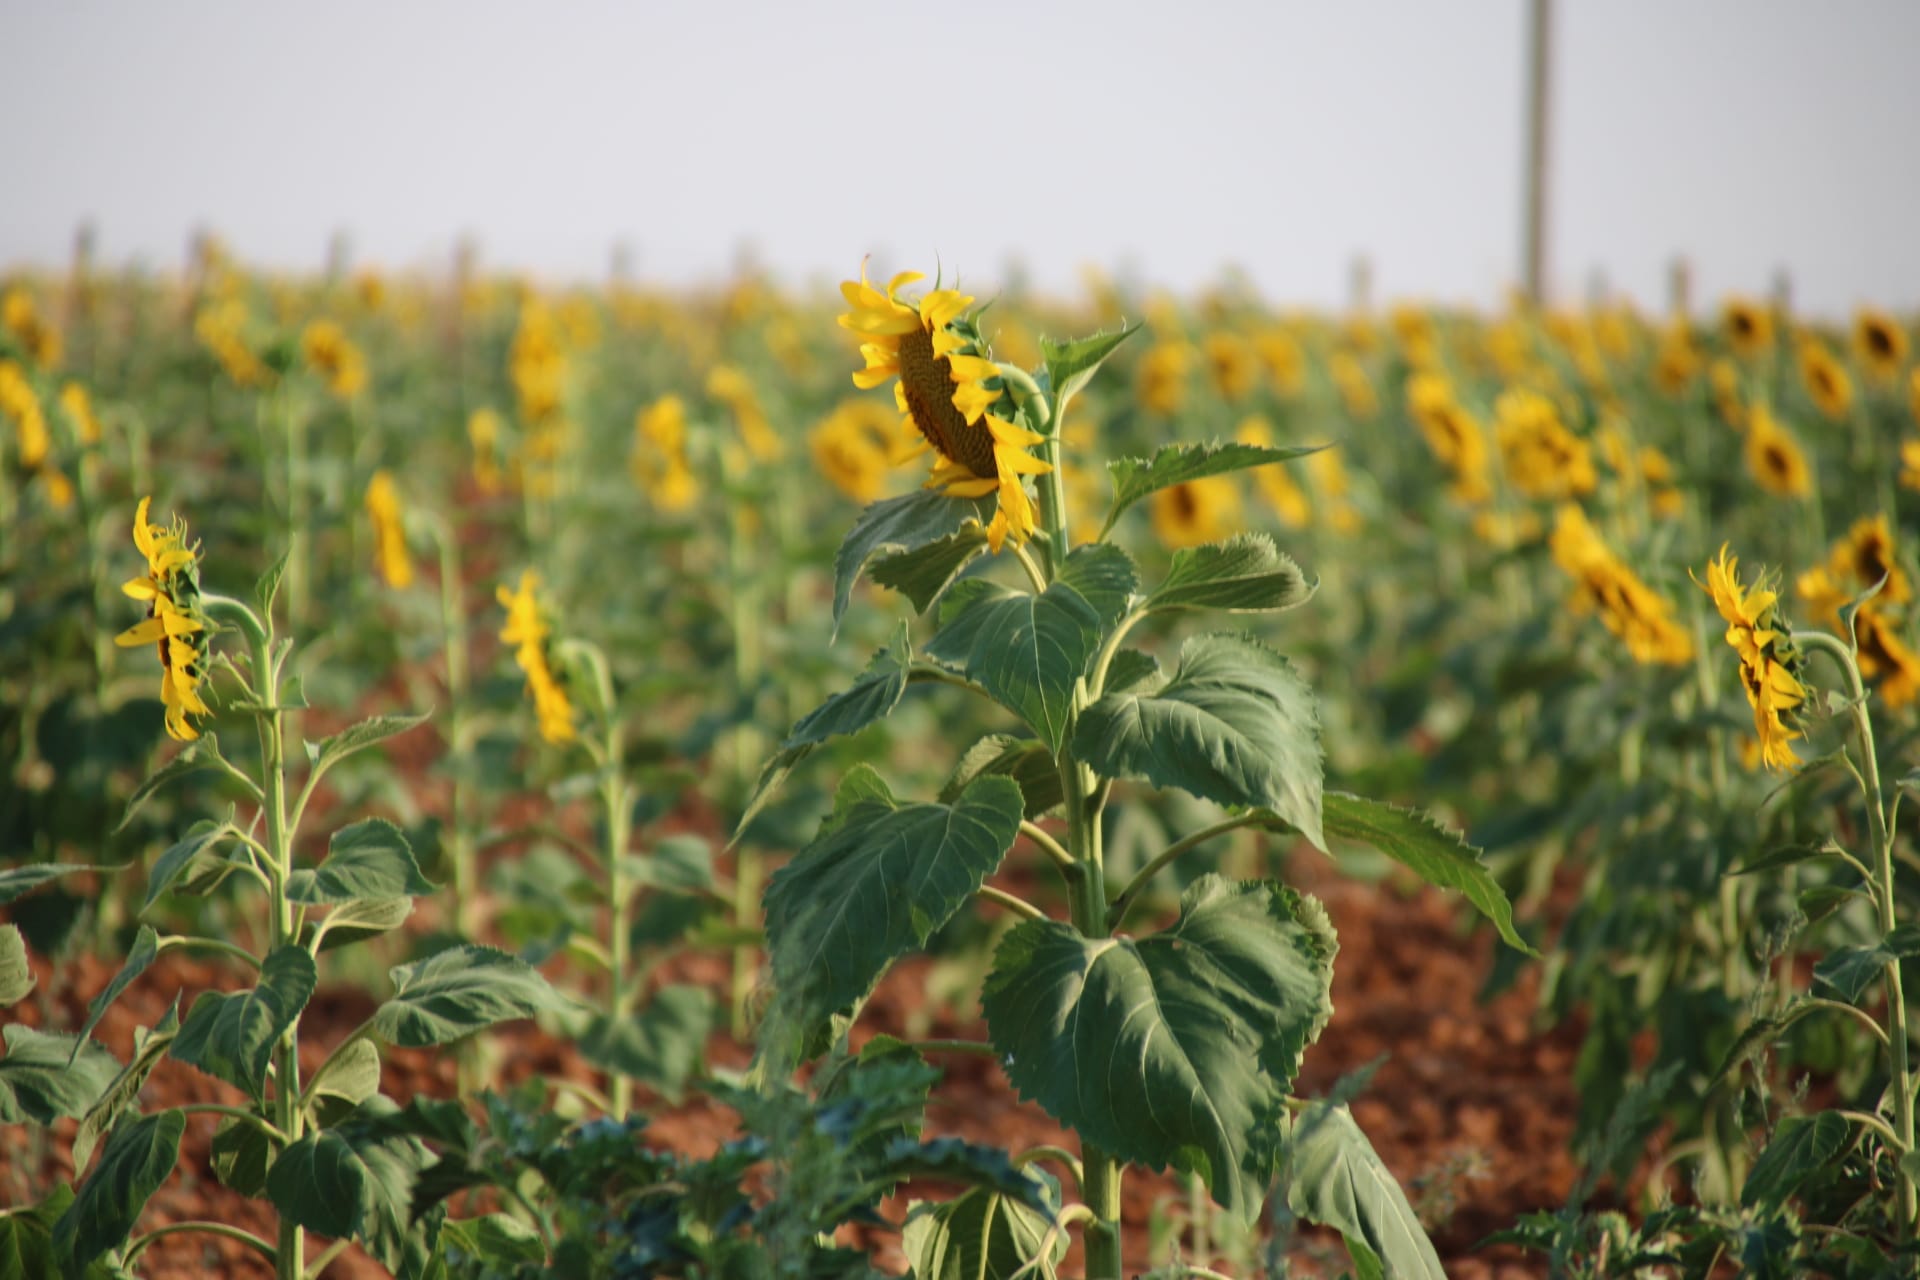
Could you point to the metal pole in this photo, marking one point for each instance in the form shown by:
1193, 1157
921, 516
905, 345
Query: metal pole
1539, 46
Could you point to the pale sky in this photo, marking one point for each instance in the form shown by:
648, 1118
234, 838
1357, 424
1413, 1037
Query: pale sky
1169, 139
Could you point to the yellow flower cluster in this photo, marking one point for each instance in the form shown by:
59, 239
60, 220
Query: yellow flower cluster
483, 437
537, 363
659, 461
221, 328
1602, 583
856, 445
1543, 458
1770, 665
390, 559
78, 406
730, 387
174, 620
334, 357
527, 630
1454, 435
1856, 562
35, 335
21, 404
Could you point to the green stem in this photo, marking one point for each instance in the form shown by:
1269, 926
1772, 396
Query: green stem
1059, 1155
619, 818
138, 1244
1018, 905
1902, 1082
1046, 843
182, 942
1117, 914
952, 1046
461, 862
326, 1255
1097, 683
1053, 490
234, 1113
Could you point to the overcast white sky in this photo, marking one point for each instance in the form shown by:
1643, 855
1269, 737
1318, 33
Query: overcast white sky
1171, 137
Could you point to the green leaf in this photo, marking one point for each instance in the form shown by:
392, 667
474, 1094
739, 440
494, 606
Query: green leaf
457, 992
145, 950
661, 1045
1760, 1035
964, 1163
871, 698
1435, 854
876, 883
1334, 1178
1130, 669
16, 882
320, 1183
981, 1235
26, 1242
334, 748
1137, 478
1071, 364
1801, 1147
1851, 970
494, 1238
355, 1075
370, 859
42, 1080
231, 1036
1235, 725
171, 865
1243, 574
1105, 576
1773, 859
133, 1164
16, 973
352, 922
202, 753
149, 1046
893, 526
1027, 650
267, 586
683, 863
1002, 755
1177, 1049
241, 1155
924, 574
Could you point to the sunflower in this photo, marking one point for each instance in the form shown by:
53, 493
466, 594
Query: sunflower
78, 406
1230, 358
20, 317
851, 449
1770, 665
1543, 458
390, 558
659, 459
483, 436
731, 387
1867, 553
221, 329
947, 386
529, 631
1356, 390
1677, 362
1827, 383
1603, 584
1774, 457
1162, 379
1885, 655
1196, 512
1454, 435
334, 357
1910, 464
1729, 399
1281, 493
1880, 343
1286, 361
174, 620
1749, 326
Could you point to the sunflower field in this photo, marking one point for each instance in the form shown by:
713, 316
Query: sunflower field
505, 781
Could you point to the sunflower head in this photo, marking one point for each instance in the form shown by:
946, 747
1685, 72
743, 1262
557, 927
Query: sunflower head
1827, 383
1880, 343
1771, 666
1748, 325
530, 632
948, 387
175, 621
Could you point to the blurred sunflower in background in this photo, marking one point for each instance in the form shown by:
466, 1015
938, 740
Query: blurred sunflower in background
1748, 326
1774, 457
1197, 511
1826, 380
946, 385
1880, 343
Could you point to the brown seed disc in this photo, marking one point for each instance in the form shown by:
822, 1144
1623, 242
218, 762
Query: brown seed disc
929, 387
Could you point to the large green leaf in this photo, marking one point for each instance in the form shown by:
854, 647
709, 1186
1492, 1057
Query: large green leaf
1801, 1147
16, 972
241, 1153
872, 697
352, 922
981, 1235
26, 1242
196, 845
1026, 649
18, 881
1104, 575
42, 1079
370, 859
457, 992
661, 1044
896, 525
133, 1164
1435, 854
150, 1044
231, 1035
372, 731
1176, 1049
877, 881
1235, 725
144, 951
1245, 573
202, 753
1137, 478
924, 574
1071, 364
353, 1180
1852, 970
1333, 1177
1003, 755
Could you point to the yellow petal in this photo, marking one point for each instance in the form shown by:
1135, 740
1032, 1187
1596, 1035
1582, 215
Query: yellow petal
141, 633
943, 306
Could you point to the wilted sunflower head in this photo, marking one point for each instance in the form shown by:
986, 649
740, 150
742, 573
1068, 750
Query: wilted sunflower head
948, 387
1771, 666
174, 622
